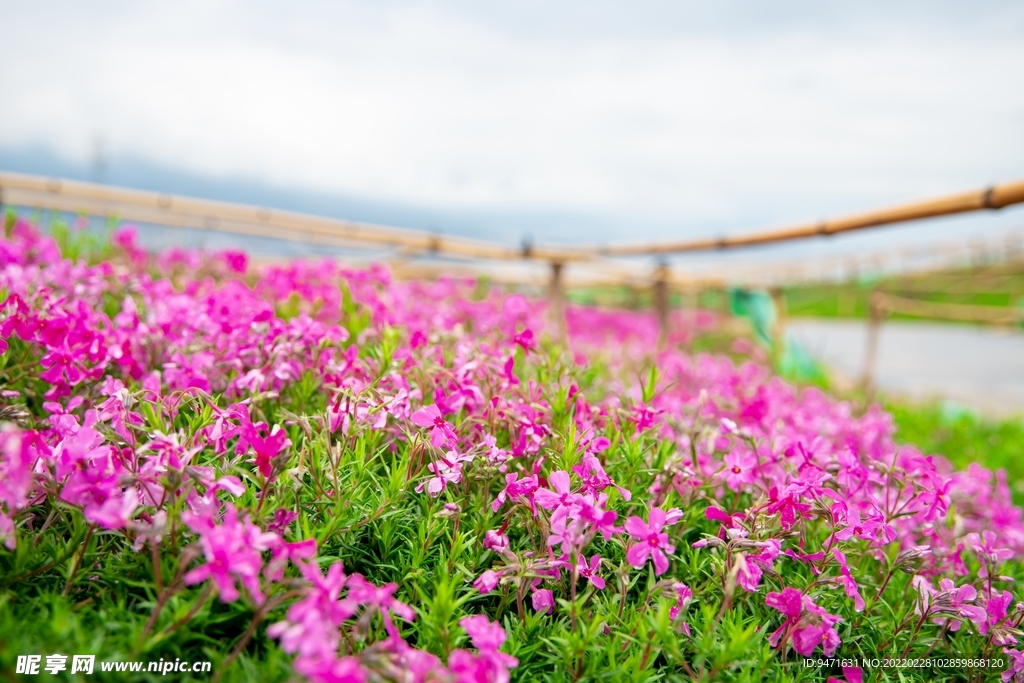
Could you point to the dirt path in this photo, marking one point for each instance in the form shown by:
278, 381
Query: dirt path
978, 367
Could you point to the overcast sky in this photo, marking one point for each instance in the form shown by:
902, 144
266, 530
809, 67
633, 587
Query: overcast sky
675, 115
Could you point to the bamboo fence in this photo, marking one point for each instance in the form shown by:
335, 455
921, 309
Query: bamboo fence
58, 194
593, 266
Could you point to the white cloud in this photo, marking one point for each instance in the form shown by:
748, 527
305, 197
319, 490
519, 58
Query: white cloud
440, 106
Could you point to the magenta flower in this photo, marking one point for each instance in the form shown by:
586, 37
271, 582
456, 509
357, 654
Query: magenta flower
589, 572
958, 603
851, 674
592, 511
787, 504
997, 609
525, 340
984, 546
719, 515
331, 669
806, 624
232, 551
442, 434
644, 417
652, 541
594, 478
872, 528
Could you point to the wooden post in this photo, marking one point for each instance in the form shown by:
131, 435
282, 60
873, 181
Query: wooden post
876, 313
556, 296
660, 295
779, 324
691, 308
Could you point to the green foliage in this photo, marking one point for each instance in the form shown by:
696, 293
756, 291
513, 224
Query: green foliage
964, 437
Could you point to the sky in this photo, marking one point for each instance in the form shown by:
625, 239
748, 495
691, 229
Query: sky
564, 121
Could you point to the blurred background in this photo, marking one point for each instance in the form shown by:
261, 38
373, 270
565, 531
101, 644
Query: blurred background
580, 122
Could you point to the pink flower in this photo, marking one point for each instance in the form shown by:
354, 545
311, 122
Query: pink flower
514, 488
487, 581
543, 601
486, 635
984, 546
489, 665
594, 478
232, 551
509, 374
739, 470
311, 626
590, 572
1016, 667
592, 510
496, 541
852, 589
653, 541
957, 602
872, 529
561, 495
749, 567
380, 597
684, 596
446, 470
442, 434
114, 512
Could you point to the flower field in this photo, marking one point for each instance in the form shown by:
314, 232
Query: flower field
306, 471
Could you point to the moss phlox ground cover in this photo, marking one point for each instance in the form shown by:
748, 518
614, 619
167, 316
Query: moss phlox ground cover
364, 479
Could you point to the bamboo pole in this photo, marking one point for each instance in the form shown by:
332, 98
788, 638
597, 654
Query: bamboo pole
995, 197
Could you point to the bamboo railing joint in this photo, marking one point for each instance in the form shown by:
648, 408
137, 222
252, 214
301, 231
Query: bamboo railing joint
527, 248
986, 199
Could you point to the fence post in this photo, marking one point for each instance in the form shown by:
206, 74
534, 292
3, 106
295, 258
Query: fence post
556, 297
779, 324
876, 313
660, 295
